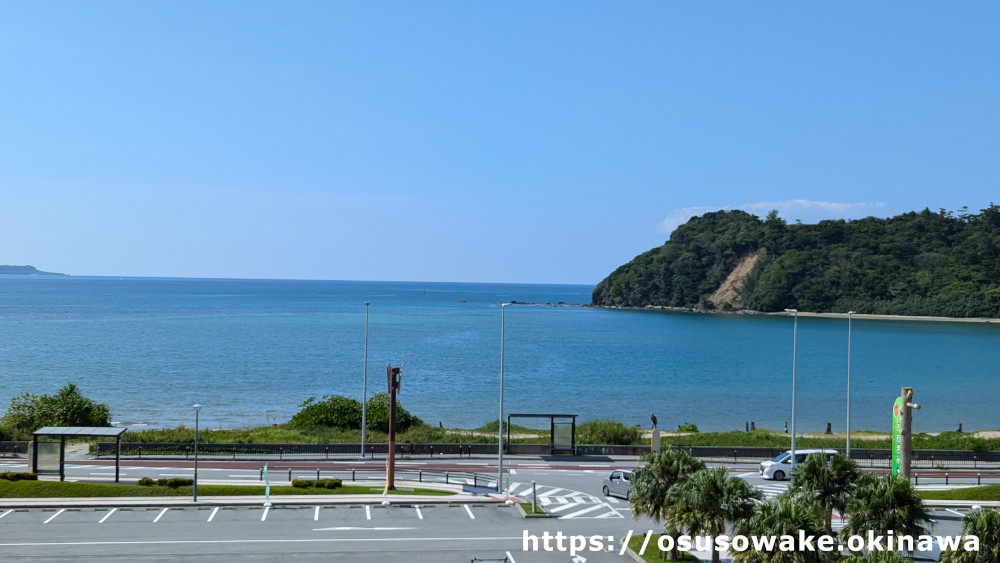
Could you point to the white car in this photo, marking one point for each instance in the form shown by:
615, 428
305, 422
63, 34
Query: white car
780, 468
617, 484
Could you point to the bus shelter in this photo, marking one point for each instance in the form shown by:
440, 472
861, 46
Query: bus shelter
562, 431
49, 456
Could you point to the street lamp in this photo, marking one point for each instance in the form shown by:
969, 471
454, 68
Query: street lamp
364, 387
196, 409
503, 307
795, 353
849, 313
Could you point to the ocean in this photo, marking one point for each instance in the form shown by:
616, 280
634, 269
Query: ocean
152, 347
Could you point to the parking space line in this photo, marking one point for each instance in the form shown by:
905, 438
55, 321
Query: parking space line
368, 512
264, 515
316, 514
53, 517
108, 515
214, 512
419, 514
510, 557
6, 513
469, 510
160, 515
955, 512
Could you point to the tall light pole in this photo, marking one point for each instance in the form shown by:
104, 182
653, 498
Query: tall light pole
849, 313
503, 307
197, 408
364, 387
795, 365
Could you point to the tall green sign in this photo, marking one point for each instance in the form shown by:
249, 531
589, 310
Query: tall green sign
897, 435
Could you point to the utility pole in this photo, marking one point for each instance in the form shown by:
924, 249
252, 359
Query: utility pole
394, 375
906, 433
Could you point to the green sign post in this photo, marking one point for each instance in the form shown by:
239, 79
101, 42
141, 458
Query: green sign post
897, 435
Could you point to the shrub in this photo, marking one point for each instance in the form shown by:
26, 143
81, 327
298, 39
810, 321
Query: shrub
175, 482
67, 407
607, 431
320, 484
146, 482
378, 415
12, 476
334, 411
687, 427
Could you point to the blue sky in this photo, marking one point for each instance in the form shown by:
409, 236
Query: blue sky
544, 142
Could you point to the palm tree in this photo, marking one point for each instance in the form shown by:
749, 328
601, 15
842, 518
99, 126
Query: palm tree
708, 500
885, 504
831, 485
652, 483
985, 525
784, 516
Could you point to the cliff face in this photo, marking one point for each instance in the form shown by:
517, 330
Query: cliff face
918, 263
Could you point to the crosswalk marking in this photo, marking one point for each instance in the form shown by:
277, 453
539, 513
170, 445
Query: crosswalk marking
567, 503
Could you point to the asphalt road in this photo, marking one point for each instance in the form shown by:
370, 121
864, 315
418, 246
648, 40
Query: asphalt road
589, 527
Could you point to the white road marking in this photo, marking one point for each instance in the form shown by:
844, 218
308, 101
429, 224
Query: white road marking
419, 514
585, 511
214, 512
469, 510
108, 515
6, 513
433, 540
955, 512
510, 557
160, 515
264, 515
551, 493
368, 512
316, 514
53, 517
354, 528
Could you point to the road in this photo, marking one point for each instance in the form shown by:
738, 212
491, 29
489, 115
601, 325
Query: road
358, 531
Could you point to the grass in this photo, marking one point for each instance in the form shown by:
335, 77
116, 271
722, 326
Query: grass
653, 552
65, 489
986, 492
527, 508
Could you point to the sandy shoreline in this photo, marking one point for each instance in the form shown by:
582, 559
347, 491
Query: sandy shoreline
860, 316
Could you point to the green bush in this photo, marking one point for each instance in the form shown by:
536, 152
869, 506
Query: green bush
607, 432
378, 415
67, 407
145, 482
320, 484
687, 427
334, 411
175, 482
12, 476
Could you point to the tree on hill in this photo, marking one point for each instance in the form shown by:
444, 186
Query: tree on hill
918, 263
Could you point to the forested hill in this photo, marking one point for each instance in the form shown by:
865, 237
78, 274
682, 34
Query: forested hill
919, 263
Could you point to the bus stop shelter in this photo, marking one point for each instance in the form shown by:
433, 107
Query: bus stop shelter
562, 431
49, 456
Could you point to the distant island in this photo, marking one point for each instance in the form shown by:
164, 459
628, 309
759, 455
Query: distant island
25, 271
940, 264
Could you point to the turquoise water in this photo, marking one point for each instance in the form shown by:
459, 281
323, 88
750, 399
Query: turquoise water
150, 348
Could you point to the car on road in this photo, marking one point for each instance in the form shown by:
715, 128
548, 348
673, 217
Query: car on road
617, 484
780, 468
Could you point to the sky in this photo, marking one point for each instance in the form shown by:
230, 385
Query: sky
528, 142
